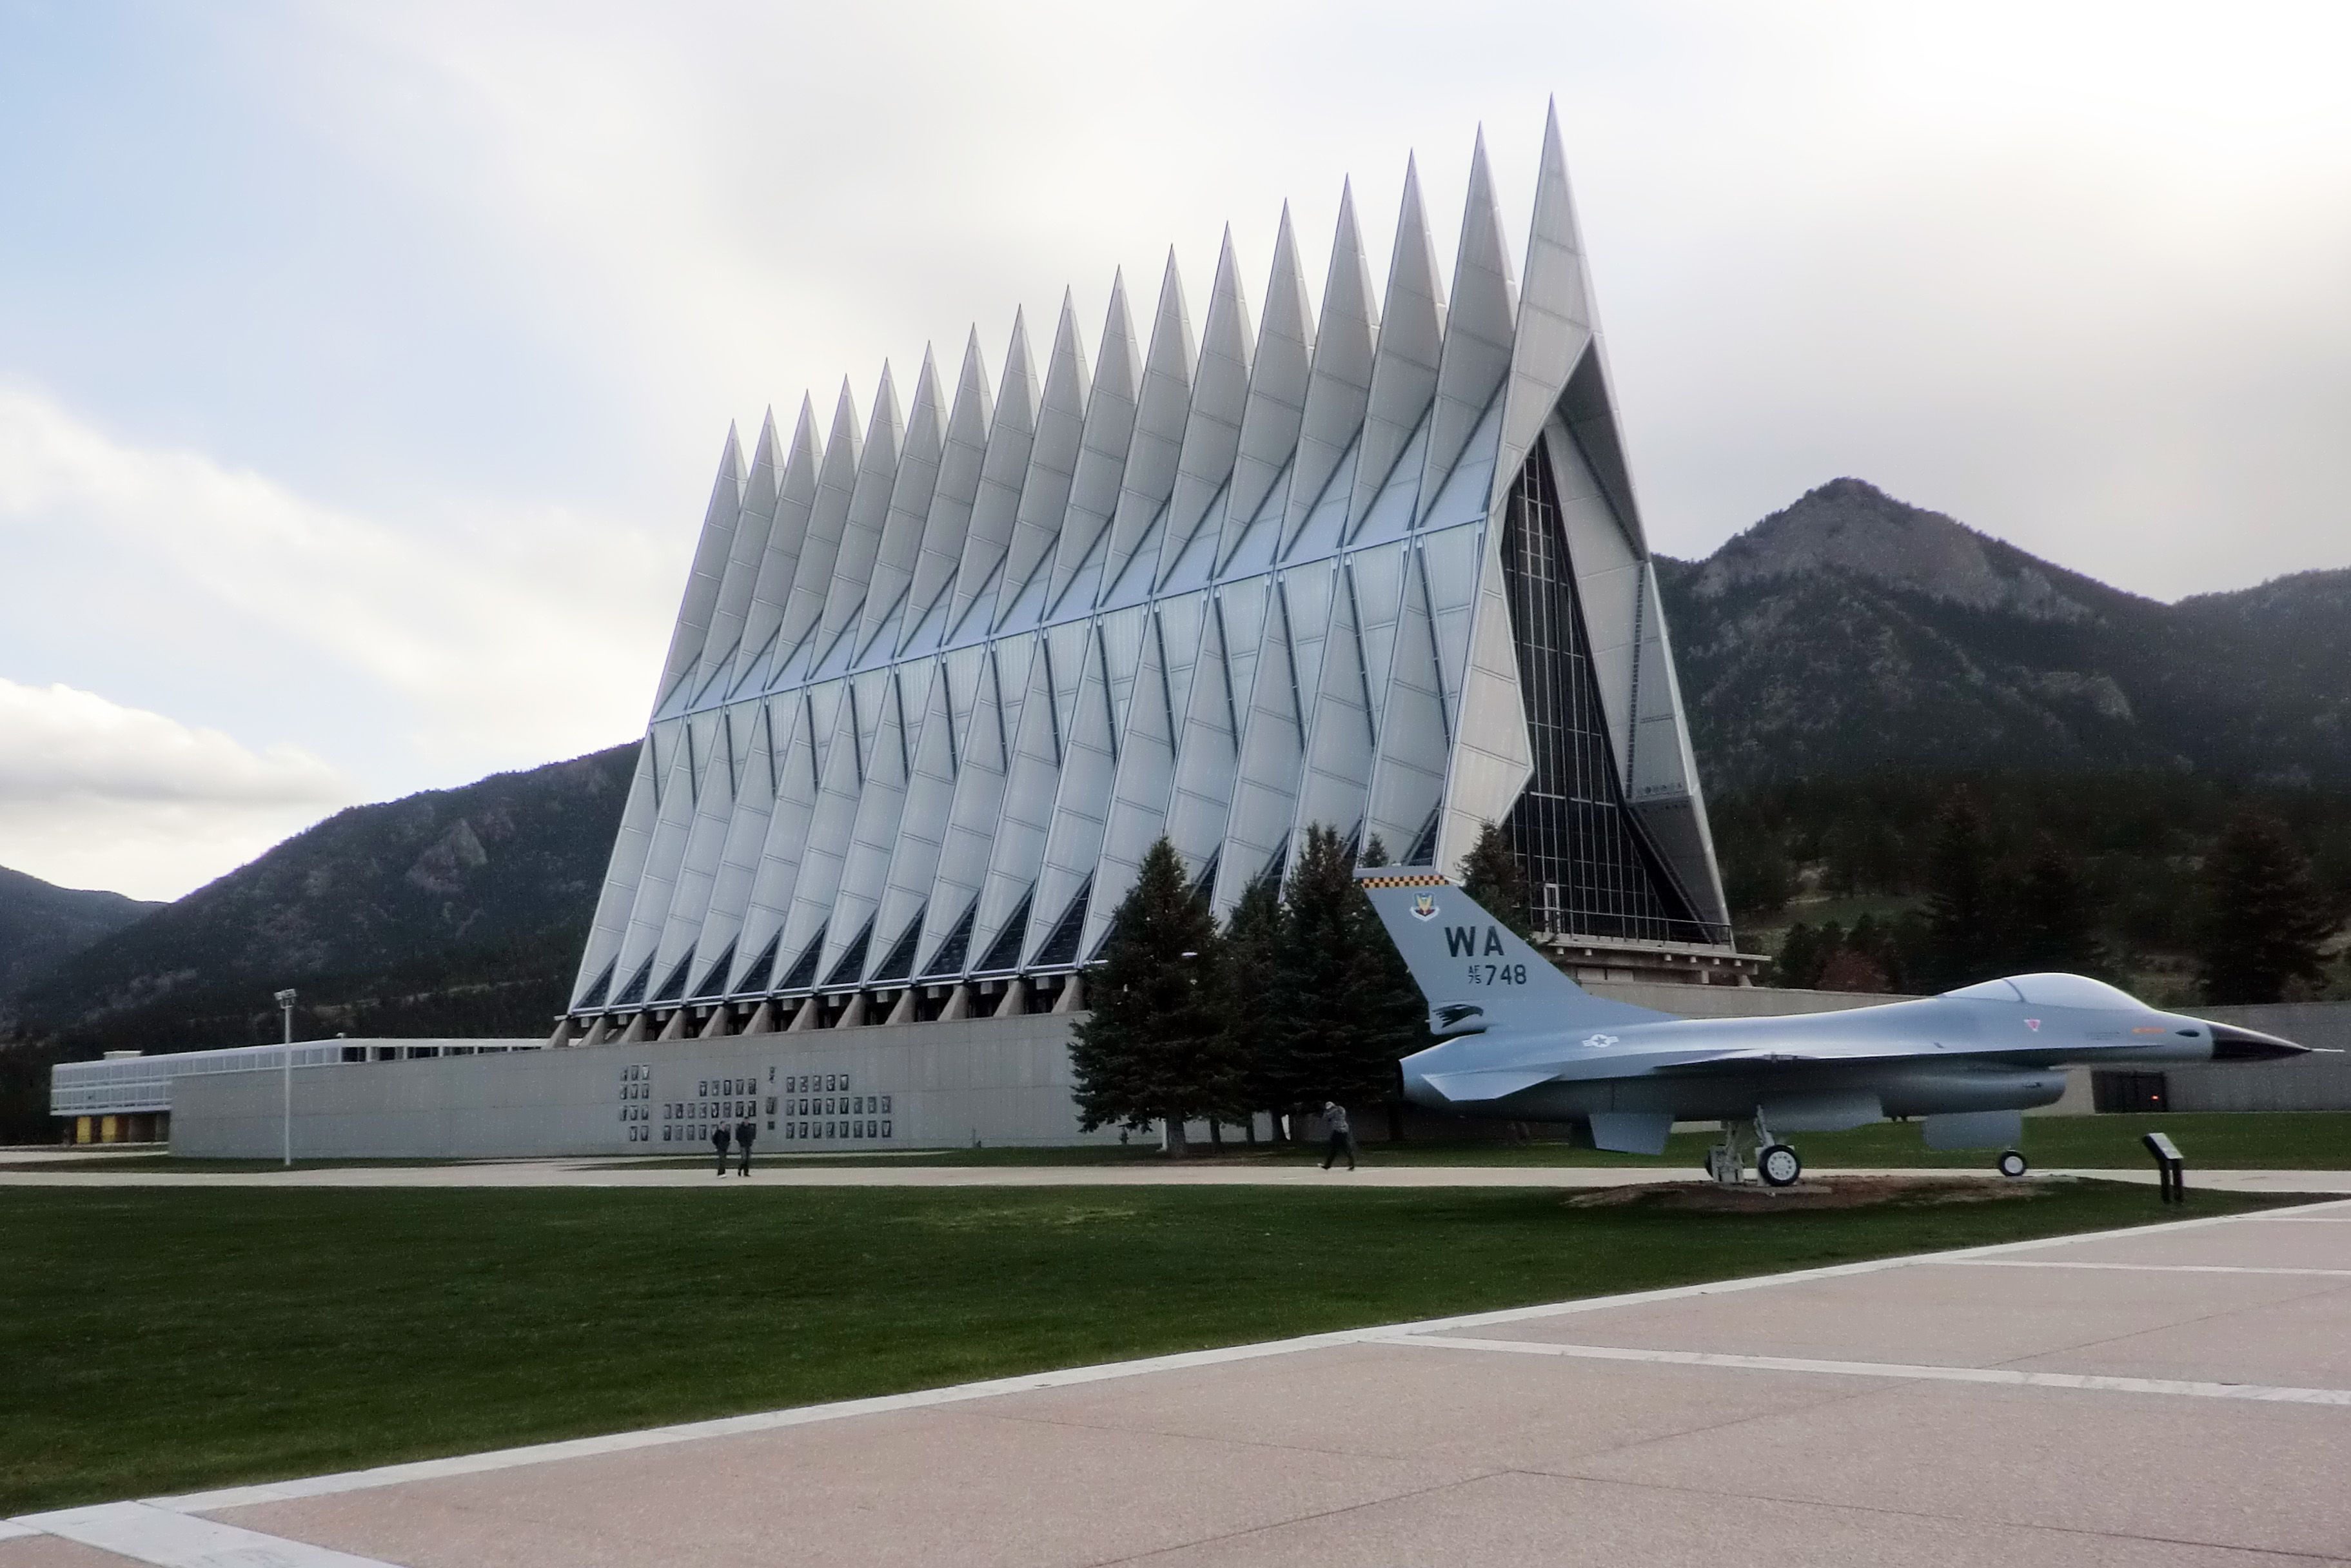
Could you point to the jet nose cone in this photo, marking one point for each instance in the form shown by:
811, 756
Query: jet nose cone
2230, 1043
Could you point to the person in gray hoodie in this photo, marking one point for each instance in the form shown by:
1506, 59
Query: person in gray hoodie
1343, 1137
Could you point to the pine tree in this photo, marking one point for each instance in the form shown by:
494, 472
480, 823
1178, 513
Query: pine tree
1395, 1013
1804, 954
1850, 968
1963, 914
1758, 881
1255, 1014
1882, 947
2054, 928
1332, 1045
1154, 1048
2264, 919
1489, 874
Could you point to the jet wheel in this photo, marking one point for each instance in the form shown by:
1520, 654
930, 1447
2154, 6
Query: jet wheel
1778, 1165
2013, 1163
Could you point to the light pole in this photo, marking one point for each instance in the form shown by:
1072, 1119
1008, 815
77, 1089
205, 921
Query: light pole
286, 1004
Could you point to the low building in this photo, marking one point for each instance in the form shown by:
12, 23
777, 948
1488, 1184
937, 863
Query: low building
128, 1096
956, 1084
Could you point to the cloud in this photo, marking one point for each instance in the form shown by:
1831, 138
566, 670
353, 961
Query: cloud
2057, 269
96, 794
494, 635
414, 651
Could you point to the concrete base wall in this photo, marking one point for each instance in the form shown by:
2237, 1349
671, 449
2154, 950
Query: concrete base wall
952, 1084
987, 1081
2316, 1082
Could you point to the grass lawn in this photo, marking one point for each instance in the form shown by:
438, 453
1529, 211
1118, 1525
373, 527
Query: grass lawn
168, 1339
2262, 1140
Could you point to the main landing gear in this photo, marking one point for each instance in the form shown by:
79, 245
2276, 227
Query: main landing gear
1776, 1163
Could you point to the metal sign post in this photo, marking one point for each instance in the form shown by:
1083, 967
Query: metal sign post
2171, 1166
285, 1003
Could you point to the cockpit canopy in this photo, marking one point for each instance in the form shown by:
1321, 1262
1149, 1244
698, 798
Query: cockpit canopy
2054, 991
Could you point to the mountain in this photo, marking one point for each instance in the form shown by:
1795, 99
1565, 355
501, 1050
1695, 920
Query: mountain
458, 910
42, 925
1846, 636
1853, 632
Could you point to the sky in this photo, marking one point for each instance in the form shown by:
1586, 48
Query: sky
363, 369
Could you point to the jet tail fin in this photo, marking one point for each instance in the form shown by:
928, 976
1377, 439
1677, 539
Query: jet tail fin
1475, 971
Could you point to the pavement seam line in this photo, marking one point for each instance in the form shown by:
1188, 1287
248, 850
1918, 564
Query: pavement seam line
223, 1498
2140, 1267
2257, 1392
1680, 1490
1316, 1516
168, 1539
2103, 1342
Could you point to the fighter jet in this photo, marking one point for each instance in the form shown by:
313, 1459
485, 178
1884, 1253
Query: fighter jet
1520, 1042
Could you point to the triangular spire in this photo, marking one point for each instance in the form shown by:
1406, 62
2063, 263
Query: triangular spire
1278, 383
750, 543
1555, 330
1340, 389
1102, 456
1411, 339
1160, 414
796, 483
1479, 325
1220, 396
710, 552
997, 504
836, 483
1053, 460
910, 505
861, 537
964, 451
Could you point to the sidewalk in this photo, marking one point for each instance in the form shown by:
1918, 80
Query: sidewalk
611, 1173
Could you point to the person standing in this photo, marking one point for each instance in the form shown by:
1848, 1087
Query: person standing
745, 1131
718, 1142
1343, 1137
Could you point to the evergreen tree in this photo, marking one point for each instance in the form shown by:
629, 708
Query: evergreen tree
1881, 947
1395, 1013
1254, 1018
1851, 968
1963, 913
1758, 881
1155, 1048
2265, 918
2054, 928
1489, 874
1331, 1045
1804, 954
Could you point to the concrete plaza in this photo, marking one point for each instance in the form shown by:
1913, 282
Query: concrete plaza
2174, 1396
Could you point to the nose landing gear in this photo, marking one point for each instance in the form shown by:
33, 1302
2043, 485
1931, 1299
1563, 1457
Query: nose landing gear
2012, 1164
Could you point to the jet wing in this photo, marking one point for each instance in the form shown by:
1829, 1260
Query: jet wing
1487, 1082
